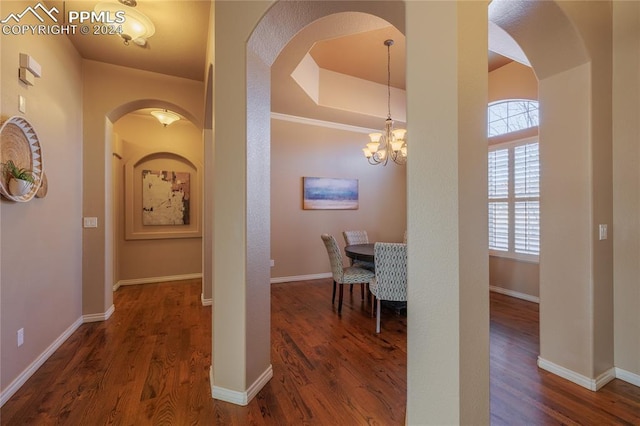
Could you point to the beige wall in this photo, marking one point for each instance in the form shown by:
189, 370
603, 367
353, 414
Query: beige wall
299, 150
154, 147
513, 81
448, 315
518, 278
109, 92
41, 246
626, 188
575, 267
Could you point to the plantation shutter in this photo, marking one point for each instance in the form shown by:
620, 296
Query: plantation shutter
526, 178
498, 200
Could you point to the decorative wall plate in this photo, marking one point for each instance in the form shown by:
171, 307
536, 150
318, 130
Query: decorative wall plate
44, 187
19, 142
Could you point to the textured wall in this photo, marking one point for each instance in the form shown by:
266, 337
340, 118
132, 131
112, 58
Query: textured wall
40, 266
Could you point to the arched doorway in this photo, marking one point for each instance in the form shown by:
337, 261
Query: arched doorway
241, 251
575, 151
142, 253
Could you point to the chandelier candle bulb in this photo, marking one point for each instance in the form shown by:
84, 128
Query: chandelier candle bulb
396, 145
399, 134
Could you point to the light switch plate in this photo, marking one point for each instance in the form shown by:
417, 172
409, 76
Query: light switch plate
22, 104
603, 231
90, 222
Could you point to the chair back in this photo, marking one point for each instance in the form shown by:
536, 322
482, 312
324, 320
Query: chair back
391, 271
335, 256
355, 237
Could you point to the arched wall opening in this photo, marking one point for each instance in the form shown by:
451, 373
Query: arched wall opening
450, 299
151, 252
575, 184
109, 92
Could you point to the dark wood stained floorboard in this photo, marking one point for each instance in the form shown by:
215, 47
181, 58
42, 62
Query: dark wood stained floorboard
149, 364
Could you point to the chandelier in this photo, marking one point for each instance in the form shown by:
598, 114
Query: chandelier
391, 143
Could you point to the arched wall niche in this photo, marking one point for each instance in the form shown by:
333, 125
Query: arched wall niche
133, 199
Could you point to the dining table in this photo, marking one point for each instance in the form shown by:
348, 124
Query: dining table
361, 252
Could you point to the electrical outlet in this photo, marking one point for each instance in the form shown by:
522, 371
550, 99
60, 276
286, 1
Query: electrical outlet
20, 337
273, 263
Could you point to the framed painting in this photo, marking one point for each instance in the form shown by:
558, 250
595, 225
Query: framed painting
329, 193
162, 197
165, 197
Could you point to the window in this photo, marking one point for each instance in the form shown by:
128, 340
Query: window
512, 115
514, 181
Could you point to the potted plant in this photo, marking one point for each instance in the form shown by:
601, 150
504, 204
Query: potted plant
20, 179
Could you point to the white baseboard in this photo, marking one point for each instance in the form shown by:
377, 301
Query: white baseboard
116, 286
627, 376
579, 379
152, 280
205, 302
33, 367
99, 317
515, 294
301, 278
240, 398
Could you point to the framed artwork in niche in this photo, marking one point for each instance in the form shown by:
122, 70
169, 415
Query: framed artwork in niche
162, 197
329, 193
166, 198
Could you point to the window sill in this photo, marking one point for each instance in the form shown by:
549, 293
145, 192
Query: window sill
527, 258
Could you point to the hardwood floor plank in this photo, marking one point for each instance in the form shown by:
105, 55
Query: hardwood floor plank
149, 365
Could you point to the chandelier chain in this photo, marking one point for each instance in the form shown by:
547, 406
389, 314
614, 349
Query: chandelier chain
388, 78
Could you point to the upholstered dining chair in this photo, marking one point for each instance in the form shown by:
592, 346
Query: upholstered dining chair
390, 282
357, 237
343, 275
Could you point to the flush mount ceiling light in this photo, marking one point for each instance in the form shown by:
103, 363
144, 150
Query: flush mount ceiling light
391, 143
136, 27
165, 117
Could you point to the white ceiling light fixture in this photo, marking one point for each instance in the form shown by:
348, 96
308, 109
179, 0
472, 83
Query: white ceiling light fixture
137, 27
165, 117
391, 143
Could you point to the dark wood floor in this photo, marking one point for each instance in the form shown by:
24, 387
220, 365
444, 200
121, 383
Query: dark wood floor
522, 394
148, 365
